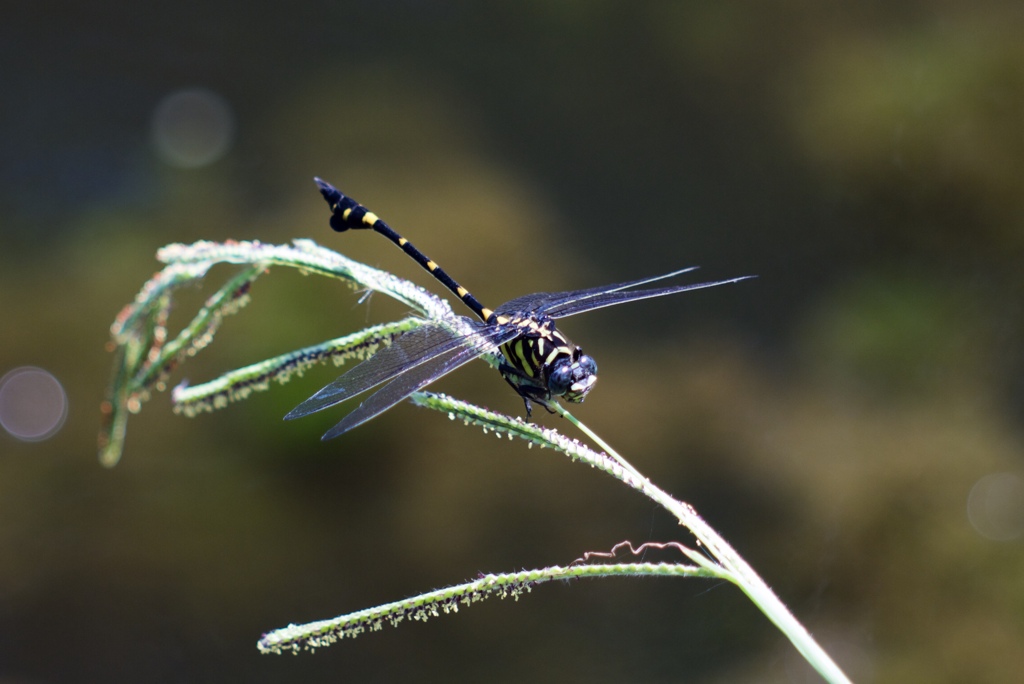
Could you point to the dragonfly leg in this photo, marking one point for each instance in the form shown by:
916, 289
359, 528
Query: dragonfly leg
529, 411
526, 387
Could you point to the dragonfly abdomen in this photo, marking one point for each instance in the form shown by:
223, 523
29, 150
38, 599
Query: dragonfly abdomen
348, 214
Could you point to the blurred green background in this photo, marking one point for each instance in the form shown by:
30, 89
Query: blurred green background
851, 420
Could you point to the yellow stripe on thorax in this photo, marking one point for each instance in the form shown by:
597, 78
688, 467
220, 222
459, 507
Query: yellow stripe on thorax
517, 353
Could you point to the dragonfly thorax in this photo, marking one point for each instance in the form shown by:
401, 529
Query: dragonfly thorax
541, 363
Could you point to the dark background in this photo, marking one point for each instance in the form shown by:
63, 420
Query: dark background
866, 160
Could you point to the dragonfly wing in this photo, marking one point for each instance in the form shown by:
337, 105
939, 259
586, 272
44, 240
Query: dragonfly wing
599, 301
541, 301
415, 347
419, 377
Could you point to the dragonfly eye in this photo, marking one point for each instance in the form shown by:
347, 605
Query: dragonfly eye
573, 379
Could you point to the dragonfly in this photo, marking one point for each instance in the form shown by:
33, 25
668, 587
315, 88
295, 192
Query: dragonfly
537, 360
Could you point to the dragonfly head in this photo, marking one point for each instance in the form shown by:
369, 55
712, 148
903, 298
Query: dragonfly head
573, 377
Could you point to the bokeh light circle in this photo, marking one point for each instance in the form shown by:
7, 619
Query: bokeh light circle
33, 404
192, 128
995, 506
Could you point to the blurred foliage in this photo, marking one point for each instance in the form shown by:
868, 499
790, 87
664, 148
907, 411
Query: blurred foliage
829, 418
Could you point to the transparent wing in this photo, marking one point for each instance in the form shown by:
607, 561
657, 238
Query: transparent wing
420, 376
542, 301
410, 350
599, 301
